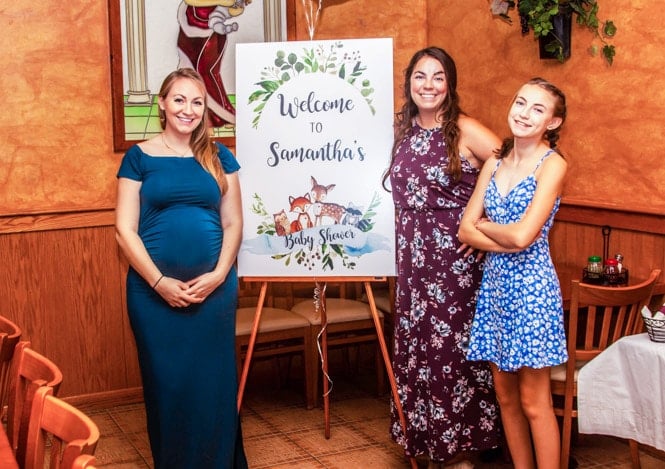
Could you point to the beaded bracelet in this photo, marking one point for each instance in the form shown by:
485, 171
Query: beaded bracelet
158, 280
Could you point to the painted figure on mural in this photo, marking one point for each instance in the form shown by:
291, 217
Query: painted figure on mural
204, 29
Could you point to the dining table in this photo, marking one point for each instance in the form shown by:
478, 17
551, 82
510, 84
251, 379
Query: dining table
621, 392
7, 458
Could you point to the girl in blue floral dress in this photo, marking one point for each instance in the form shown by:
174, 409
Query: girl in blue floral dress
518, 325
448, 402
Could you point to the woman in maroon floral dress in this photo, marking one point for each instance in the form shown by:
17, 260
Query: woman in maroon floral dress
448, 402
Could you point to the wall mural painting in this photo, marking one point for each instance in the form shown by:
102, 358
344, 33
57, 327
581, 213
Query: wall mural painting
150, 38
314, 134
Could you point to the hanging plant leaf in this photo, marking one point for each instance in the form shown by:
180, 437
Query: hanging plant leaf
537, 15
608, 53
609, 29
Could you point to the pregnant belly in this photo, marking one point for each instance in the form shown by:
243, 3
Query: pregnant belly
184, 244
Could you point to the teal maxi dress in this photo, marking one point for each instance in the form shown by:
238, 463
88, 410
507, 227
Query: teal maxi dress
186, 355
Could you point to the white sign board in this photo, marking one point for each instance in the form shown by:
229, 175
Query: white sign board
314, 133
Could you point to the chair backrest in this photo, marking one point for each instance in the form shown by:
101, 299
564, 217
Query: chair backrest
68, 432
30, 370
611, 313
10, 334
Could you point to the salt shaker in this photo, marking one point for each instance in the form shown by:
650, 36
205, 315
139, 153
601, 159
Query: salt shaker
619, 259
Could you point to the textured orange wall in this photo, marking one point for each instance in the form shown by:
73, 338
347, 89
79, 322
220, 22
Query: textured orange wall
614, 136
55, 125
56, 131
350, 19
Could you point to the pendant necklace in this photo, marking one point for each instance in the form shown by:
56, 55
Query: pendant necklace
181, 155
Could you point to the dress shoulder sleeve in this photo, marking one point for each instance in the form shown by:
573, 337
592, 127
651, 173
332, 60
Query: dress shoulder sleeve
228, 160
130, 166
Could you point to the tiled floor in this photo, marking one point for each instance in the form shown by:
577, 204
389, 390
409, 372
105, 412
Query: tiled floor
280, 433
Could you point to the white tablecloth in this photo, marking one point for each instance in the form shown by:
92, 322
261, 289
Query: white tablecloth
621, 392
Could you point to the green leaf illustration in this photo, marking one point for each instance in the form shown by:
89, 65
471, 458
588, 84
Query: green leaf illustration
312, 60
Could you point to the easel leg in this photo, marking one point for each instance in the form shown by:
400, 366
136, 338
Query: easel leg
387, 362
250, 345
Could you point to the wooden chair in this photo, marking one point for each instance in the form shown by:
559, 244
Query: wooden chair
598, 317
10, 334
63, 429
29, 371
281, 332
85, 461
384, 298
349, 323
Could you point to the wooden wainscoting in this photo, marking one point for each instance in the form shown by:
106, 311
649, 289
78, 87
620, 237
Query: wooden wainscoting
63, 282
577, 234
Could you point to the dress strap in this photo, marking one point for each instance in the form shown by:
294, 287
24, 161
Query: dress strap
496, 166
542, 158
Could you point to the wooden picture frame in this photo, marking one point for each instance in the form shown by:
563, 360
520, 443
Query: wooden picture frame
130, 107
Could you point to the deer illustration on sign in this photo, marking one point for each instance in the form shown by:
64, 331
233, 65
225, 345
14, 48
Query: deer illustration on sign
320, 209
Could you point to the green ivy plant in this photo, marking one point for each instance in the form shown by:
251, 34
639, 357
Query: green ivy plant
536, 15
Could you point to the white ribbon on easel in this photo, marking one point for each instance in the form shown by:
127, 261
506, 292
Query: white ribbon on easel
312, 12
319, 307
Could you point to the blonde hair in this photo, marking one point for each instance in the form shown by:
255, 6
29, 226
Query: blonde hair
204, 148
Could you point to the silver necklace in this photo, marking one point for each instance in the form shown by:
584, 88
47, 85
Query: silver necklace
181, 155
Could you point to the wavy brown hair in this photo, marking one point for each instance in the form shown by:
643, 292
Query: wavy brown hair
449, 111
204, 148
551, 135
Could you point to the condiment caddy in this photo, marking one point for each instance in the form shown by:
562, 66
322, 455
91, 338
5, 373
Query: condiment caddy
612, 272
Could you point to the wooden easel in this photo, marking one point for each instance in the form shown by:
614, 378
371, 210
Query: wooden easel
367, 281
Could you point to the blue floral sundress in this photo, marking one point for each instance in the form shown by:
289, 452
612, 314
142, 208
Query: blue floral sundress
519, 314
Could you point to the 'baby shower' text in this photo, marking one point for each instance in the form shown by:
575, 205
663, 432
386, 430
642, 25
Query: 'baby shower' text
326, 236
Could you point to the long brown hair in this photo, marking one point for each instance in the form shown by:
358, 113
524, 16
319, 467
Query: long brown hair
551, 135
450, 110
204, 148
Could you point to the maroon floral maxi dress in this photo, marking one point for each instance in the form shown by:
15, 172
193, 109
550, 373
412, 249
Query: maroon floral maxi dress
448, 402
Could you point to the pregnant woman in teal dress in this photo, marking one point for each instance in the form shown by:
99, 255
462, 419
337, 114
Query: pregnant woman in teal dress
179, 223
